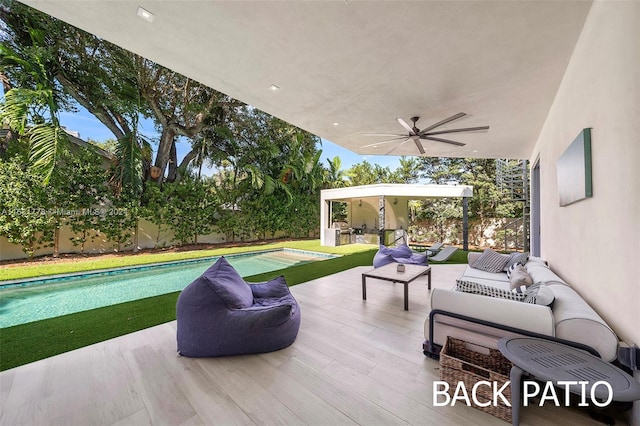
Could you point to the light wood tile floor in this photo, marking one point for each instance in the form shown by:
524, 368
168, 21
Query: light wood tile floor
354, 362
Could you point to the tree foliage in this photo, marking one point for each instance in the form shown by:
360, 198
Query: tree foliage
191, 207
31, 109
80, 188
26, 216
117, 87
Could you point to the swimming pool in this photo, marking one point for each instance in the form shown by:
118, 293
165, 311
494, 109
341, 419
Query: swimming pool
34, 300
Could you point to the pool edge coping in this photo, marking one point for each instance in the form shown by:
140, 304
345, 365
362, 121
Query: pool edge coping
26, 281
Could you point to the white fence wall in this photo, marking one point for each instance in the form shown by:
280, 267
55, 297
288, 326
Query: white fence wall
148, 237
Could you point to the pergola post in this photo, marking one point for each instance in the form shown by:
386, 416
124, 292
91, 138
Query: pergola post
465, 223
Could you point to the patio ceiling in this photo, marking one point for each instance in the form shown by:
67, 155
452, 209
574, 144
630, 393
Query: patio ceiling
362, 64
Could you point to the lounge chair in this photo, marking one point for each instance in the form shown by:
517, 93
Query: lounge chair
444, 254
434, 249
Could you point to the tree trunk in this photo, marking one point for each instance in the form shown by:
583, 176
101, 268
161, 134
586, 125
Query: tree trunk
56, 242
135, 237
173, 164
115, 123
167, 139
191, 155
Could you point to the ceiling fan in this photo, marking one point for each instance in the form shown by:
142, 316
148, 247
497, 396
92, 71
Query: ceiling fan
416, 134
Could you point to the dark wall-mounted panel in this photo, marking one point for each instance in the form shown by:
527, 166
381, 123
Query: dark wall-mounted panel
574, 170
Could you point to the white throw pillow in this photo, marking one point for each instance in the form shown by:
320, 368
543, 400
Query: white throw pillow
538, 293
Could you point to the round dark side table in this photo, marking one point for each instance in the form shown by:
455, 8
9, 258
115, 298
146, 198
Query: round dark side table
563, 365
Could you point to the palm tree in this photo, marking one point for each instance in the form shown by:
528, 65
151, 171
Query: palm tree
335, 177
32, 110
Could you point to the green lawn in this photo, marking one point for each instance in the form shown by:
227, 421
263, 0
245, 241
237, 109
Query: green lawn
25, 343
459, 257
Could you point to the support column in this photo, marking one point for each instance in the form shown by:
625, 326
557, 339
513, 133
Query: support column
381, 220
465, 223
325, 219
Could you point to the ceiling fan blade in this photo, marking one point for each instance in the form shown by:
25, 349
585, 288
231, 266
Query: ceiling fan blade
406, 126
416, 140
386, 142
398, 146
442, 140
440, 123
383, 134
467, 129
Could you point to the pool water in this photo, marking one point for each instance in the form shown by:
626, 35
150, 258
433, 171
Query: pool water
48, 298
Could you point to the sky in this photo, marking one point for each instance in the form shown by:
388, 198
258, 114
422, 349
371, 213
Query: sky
90, 128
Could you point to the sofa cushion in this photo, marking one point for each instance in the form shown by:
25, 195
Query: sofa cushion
576, 321
504, 285
472, 274
539, 260
491, 261
540, 273
519, 277
228, 285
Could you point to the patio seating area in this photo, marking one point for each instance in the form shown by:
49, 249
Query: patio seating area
353, 362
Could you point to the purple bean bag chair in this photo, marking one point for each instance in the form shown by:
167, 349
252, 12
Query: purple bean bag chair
400, 254
220, 314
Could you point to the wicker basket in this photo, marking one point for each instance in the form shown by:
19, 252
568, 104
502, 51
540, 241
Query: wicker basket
460, 363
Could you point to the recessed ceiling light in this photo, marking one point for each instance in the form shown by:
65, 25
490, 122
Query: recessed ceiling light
145, 14
274, 88
335, 123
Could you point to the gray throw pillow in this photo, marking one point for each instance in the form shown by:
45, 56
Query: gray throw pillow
491, 261
519, 277
517, 257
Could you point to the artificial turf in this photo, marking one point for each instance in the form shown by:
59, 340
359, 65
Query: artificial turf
25, 343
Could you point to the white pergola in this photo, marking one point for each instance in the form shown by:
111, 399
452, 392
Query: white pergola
385, 204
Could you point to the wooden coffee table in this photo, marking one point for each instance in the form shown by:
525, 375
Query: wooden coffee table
390, 273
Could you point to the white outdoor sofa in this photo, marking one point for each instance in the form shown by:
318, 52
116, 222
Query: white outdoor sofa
483, 320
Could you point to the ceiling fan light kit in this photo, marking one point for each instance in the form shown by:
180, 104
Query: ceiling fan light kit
416, 135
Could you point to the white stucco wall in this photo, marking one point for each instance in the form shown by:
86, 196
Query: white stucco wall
594, 244
396, 213
365, 213
147, 235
